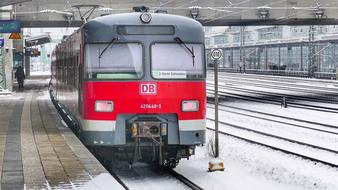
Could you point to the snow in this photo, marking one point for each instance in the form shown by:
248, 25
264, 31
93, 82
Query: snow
102, 182
310, 115
5, 92
276, 142
249, 166
253, 167
64, 123
215, 161
142, 176
309, 136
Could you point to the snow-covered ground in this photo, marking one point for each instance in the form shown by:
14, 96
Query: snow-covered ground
253, 167
310, 115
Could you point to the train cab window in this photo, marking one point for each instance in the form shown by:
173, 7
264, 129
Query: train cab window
119, 61
146, 30
174, 61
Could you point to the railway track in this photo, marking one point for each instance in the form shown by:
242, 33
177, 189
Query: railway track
327, 128
259, 136
275, 136
286, 79
185, 180
305, 91
285, 150
306, 87
142, 176
275, 101
310, 96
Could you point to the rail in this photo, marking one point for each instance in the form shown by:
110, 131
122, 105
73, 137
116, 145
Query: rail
302, 74
277, 148
184, 180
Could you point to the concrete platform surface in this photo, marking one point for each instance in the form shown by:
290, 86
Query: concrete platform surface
38, 152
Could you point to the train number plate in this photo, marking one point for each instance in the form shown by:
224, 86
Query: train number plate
150, 106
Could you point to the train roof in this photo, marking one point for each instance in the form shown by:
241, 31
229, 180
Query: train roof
103, 29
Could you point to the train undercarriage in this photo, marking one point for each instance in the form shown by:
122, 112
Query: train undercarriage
146, 141
167, 156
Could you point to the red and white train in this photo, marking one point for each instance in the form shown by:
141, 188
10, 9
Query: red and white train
134, 86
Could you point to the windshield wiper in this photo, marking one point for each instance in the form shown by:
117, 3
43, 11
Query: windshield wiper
104, 50
179, 41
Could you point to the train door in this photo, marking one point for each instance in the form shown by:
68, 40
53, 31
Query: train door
80, 90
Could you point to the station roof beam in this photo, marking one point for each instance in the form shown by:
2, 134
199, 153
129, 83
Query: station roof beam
11, 2
209, 13
37, 40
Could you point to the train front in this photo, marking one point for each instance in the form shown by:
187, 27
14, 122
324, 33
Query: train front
144, 94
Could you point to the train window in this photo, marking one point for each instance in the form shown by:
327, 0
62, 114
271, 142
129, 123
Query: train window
145, 30
172, 61
120, 61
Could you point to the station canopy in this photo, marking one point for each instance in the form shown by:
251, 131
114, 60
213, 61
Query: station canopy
62, 13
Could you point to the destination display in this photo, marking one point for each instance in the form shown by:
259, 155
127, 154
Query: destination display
10, 26
170, 74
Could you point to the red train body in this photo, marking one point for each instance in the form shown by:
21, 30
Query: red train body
134, 89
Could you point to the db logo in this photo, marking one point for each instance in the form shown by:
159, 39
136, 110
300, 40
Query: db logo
149, 88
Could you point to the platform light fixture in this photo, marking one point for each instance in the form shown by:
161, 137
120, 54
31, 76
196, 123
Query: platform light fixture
194, 11
263, 12
319, 13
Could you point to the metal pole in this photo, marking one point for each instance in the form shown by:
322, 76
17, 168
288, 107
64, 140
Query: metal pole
216, 108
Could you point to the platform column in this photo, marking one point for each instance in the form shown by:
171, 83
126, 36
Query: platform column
27, 63
8, 62
2, 69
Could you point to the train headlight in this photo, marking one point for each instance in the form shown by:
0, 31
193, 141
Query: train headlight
145, 17
134, 127
104, 106
164, 128
190, 105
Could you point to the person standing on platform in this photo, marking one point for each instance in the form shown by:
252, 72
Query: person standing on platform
20, 76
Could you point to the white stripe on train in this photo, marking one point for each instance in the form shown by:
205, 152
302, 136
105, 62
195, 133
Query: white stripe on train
104, 125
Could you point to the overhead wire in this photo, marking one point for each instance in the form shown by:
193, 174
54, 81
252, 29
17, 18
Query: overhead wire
161, 4
235, 4
225, 7
243, 11
182, 6
302, 12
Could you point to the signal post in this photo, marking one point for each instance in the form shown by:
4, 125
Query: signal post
216, 163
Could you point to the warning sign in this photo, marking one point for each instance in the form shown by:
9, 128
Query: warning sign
15, 36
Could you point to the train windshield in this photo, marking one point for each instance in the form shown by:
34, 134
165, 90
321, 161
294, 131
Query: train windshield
119, 61
174, 61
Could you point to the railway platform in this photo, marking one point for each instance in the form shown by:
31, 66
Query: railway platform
37, 151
